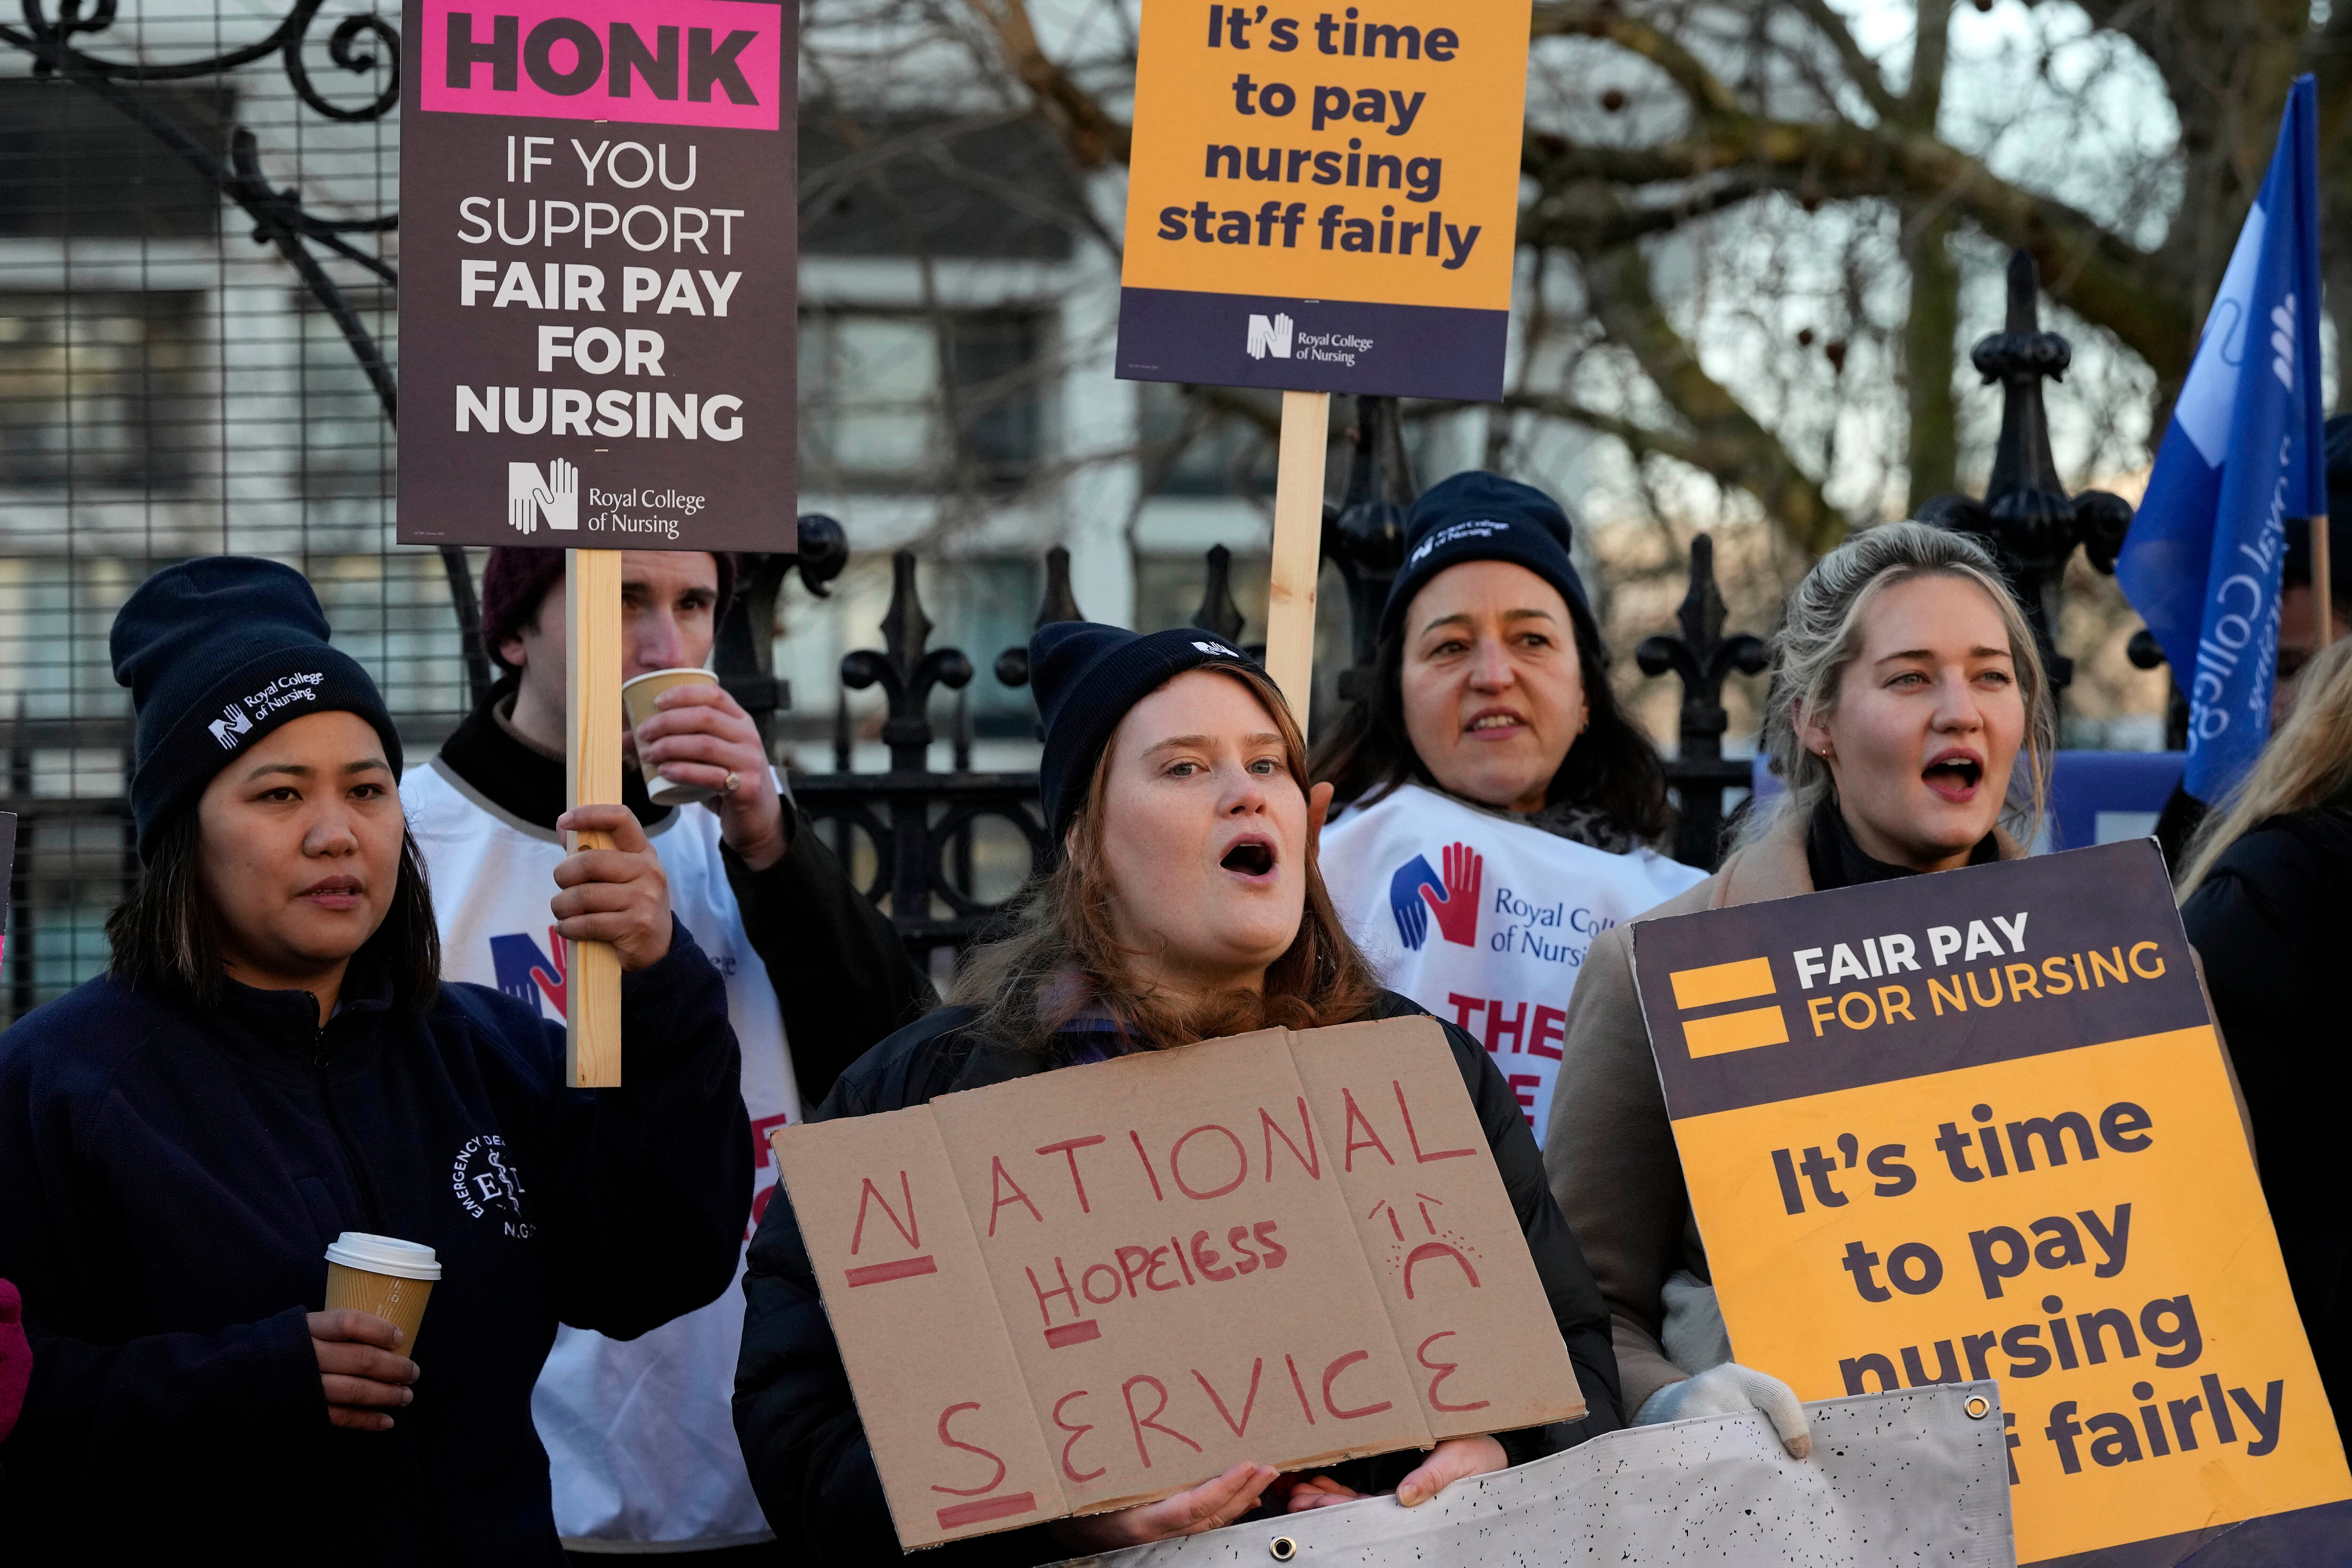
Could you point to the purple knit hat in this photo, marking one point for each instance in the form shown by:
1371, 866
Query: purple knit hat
515, 581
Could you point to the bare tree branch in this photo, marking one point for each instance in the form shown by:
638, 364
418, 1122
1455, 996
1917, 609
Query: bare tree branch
2090, 269
1604, 19
1860, 69
1095, 138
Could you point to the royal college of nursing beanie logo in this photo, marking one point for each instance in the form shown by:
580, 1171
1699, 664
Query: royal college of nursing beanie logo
237, 719
1482, 528
1415, 893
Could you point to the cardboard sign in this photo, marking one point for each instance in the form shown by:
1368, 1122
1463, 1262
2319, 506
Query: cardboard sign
1325, 201
1099, 1286
1979, 1124
599, 264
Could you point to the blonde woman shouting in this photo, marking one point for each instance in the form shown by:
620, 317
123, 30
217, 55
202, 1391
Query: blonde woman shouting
1910, 714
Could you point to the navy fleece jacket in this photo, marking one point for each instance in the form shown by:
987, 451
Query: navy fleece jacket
170, 1178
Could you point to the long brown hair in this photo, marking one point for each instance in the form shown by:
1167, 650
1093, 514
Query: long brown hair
165, 936
1064, 955
1612, 767
2308, 763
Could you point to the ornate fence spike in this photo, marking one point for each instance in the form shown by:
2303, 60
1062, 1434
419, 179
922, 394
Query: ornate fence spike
904, 670
1365, 537
743, 654
1704, 658
1218, 613
2026, 517
1058, 605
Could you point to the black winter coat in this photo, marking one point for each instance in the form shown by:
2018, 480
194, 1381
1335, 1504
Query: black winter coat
2271, 923
170, 1178
809, 1461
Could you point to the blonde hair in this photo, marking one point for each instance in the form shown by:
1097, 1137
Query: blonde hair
1064, 955
1820, 634
2307, 764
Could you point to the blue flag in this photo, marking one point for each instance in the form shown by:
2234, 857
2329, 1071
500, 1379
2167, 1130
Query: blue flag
2243, 453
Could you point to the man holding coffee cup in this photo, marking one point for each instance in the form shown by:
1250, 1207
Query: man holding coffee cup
640, 1435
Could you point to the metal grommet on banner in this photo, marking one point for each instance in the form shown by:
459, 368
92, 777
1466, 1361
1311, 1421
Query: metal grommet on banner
1978, 1406
1284, 1548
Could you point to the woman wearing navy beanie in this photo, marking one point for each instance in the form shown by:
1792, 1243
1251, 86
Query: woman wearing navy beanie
271, 1061
1496, 806
1186, 905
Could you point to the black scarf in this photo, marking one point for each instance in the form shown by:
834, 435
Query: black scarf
519, 780
1836, 860
1585, 825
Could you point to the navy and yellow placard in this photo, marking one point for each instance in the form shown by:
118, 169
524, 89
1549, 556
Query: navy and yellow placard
1979, 1124
1324, 200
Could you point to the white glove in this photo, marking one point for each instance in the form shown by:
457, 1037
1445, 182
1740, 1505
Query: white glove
1729, 1390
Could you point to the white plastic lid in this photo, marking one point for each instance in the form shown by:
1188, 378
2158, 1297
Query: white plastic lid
693, 669
383, 1255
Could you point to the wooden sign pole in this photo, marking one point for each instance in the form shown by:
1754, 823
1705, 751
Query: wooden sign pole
592, 774
1297, 548
2322, 596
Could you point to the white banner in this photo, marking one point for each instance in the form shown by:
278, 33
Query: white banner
1895, 1481
1484, 920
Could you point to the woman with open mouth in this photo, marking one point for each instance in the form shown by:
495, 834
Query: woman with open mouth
1496, 807
1911, 720
1187, 905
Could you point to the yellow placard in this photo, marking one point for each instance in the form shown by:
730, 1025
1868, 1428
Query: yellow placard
1980, 1126
1289, 156
1408, 115
2137, 1257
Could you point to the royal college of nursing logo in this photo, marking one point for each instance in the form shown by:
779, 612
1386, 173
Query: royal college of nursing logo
552, 498
1416, 892
1269, 336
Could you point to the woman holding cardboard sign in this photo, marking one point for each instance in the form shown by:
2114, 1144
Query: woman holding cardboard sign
1187, 905
273, 1065
1910, 716
1498, 803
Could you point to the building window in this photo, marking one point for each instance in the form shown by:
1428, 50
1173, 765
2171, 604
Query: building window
100, 390
919, 401
344, 441
74, 167
1190, 449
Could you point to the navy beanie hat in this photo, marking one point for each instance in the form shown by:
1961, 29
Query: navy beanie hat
1480, 516
1086, 676
217, 652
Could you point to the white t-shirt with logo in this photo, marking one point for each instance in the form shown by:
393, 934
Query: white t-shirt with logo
1484, 920
640, 1434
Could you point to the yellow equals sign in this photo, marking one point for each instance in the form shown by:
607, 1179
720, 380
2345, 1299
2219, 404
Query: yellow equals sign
1720, 982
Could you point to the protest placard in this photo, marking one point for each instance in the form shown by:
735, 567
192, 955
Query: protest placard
1980, 1125
1319, 200
1098, 1285
598, 274
1322, 201
561, 393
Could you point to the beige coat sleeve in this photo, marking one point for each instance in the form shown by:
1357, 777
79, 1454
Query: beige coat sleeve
1610, 1157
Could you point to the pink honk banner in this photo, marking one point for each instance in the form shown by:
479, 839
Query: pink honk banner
702, 63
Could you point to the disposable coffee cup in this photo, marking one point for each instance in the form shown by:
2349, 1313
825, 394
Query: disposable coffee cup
637, 701
381, 1275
